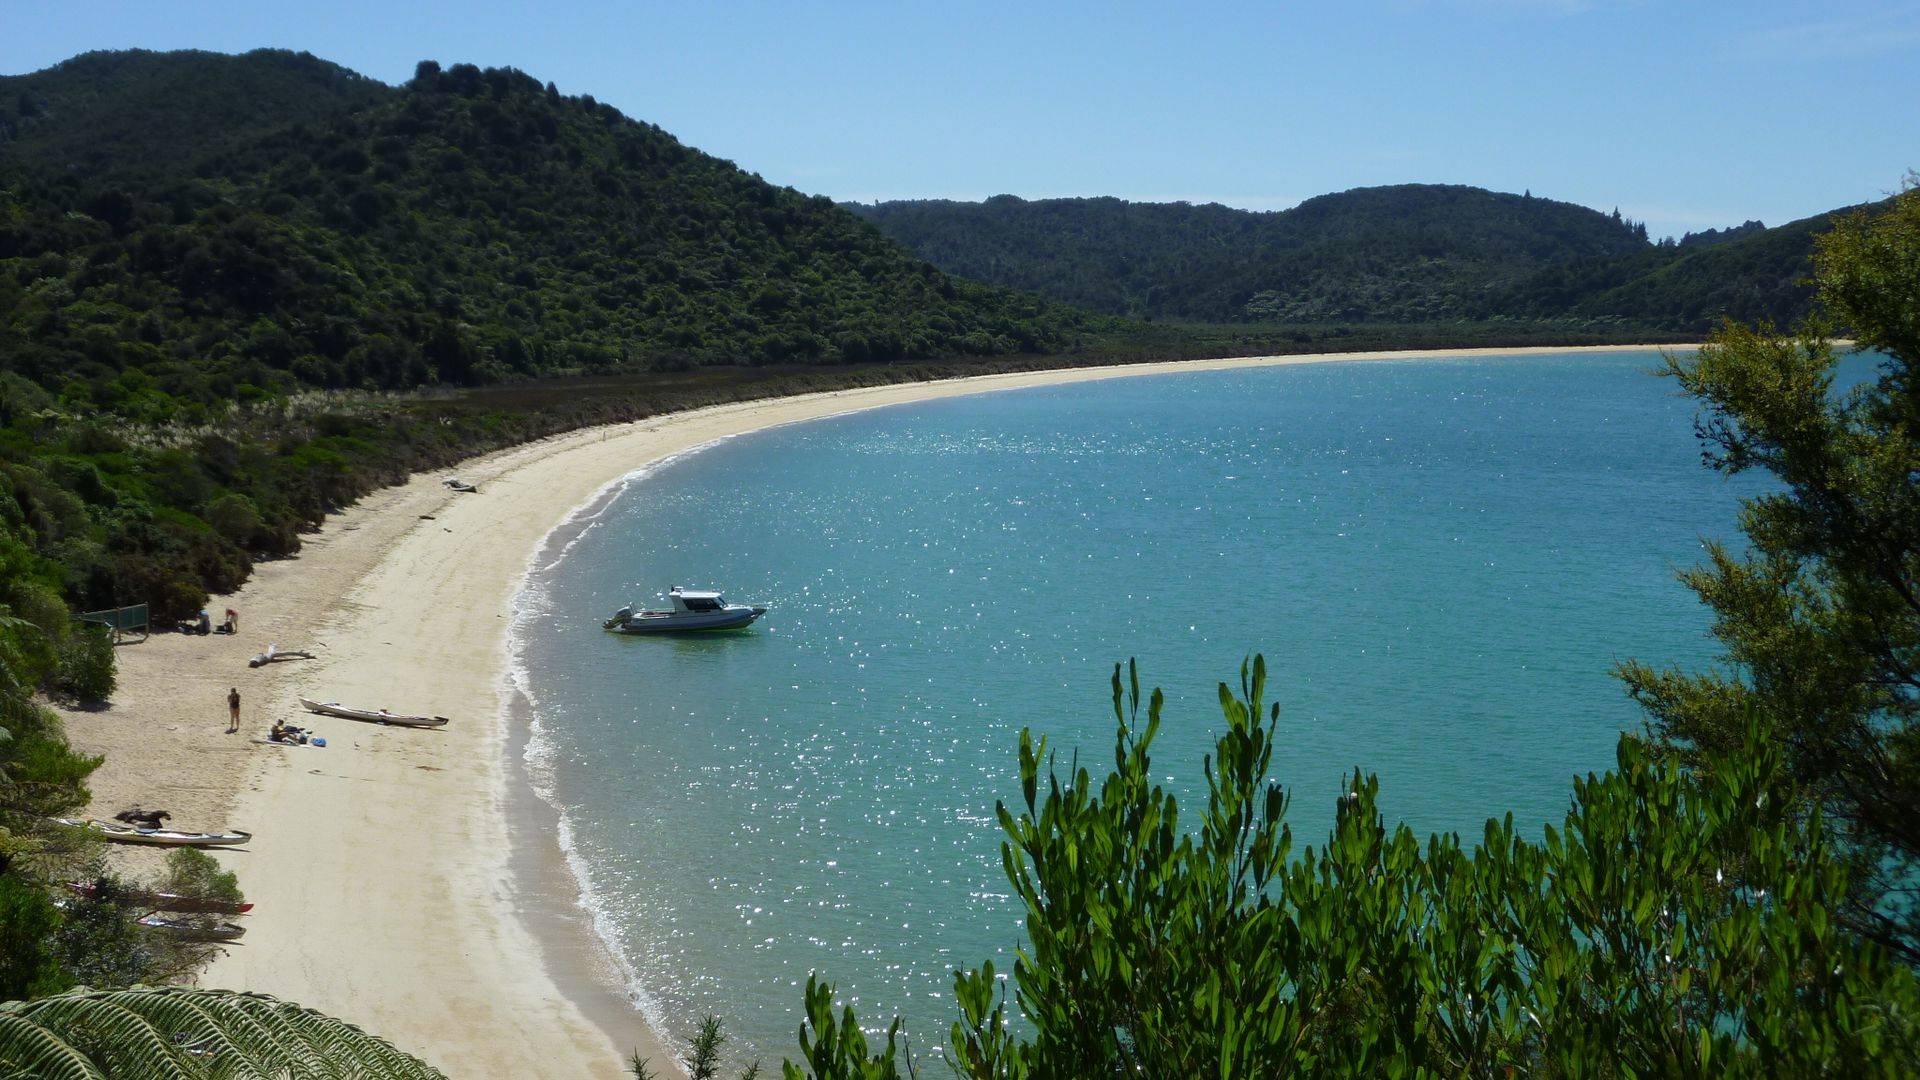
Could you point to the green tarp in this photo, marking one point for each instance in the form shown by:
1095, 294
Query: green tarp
126, 620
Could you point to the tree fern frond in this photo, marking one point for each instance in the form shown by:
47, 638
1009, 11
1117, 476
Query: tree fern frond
27, 1049
115, 1038
280, 1045
199, 1033
193, 1034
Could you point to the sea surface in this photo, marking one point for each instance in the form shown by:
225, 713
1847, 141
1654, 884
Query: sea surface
1441, 561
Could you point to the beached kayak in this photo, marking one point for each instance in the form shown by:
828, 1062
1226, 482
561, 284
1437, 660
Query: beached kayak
128, 834
165, 901
371, 716
188, 930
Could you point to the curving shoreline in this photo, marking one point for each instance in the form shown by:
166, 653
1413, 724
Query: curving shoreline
404, 881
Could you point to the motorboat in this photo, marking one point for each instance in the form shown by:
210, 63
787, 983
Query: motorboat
690, 610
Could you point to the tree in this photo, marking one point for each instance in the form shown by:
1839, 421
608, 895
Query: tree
1676, 924
41, 777
1821, 616
86, 663
702, 1058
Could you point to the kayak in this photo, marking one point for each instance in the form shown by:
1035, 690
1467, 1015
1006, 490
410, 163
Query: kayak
371, 716
128, 834
275, 653
188, 930
165, 901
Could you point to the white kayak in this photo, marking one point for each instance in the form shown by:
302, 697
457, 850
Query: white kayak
371, 716
130, 834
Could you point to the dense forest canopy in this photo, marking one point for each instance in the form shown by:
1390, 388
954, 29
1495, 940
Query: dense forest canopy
192, 244
148, 113
472, 225
1408, 253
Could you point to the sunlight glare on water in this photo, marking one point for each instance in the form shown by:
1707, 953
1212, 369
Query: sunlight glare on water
1441, 561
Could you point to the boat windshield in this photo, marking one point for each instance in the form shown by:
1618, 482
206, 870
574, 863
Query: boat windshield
702, 603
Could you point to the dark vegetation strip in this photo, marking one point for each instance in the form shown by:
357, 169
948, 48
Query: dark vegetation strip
121, 513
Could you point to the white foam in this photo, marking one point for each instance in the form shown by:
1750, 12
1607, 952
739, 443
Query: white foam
531, 604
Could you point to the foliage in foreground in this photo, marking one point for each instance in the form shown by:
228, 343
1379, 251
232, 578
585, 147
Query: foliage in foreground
51, 940
41, 776
1677, 923
1821, 612
188, 1033
702, 1060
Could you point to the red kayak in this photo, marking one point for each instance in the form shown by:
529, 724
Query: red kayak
161, 901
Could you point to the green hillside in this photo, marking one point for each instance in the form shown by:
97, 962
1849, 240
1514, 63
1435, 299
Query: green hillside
1754, 274
1102, 254
1408, 253
162, 112
1411, 253
174, 291
472, 226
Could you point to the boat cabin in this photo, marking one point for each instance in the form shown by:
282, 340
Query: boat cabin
696, 602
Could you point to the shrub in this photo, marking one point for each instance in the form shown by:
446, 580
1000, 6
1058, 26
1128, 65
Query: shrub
233, 516
196, 873
86, 663
27, 919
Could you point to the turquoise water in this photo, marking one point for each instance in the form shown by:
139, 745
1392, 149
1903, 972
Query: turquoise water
1441, 561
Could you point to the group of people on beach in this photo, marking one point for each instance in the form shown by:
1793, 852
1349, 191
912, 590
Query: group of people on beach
281, 731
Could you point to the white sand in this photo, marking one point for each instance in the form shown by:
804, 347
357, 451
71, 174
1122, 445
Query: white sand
381, 864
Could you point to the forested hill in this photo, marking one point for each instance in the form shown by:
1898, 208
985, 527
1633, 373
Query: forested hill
159, 112
190, 245
1747, 273
470, 225
1407, 253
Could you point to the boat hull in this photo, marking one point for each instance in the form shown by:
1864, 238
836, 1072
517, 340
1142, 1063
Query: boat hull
120, 834
188, 931
366, 717
159, 901
688, 622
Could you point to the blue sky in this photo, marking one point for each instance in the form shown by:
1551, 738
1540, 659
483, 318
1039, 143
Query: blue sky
1685, 115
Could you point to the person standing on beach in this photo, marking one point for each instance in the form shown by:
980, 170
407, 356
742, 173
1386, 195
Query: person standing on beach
233, 710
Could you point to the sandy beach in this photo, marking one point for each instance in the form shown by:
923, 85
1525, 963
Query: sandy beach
401, 879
